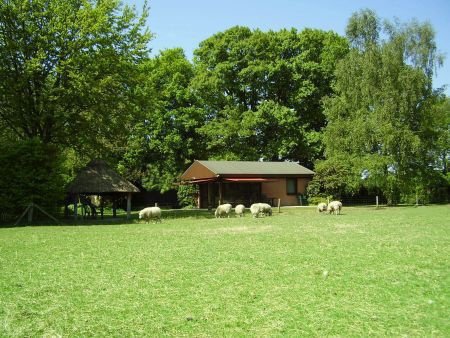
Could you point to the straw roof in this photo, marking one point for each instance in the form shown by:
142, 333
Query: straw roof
98, 178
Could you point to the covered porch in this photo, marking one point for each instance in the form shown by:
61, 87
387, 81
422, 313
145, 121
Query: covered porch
234, 191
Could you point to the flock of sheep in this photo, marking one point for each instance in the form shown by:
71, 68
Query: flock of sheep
334, 207
256, 209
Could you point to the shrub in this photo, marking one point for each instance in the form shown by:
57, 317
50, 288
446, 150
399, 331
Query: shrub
187, 195
30, 172
314, 200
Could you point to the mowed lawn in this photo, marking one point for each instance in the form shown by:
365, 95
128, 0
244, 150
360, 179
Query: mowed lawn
366, 272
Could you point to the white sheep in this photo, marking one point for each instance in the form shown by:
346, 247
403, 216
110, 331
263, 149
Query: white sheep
239, 210
260, 209
266, 209
150, 213
321, 207
223, 210
255, 209
334, 207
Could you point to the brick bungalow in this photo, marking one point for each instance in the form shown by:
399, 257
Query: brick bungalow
248, 182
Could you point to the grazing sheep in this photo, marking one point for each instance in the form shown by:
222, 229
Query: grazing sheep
255, 209
260, 209
321, 207
239, 210
266, 209
223, 210
150, 213
334, 207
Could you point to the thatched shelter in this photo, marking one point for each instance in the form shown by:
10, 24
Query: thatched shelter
97, 178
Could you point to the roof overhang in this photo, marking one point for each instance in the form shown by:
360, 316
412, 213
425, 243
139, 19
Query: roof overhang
229, 180
247, 179
200, 180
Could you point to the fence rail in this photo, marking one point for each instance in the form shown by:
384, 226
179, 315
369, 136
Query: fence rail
365, 200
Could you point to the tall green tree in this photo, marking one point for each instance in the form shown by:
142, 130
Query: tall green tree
165, 141
69, 72
262, 91
383, 119
442, 154
69, 69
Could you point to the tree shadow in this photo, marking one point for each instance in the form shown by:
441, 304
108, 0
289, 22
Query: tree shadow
109, 219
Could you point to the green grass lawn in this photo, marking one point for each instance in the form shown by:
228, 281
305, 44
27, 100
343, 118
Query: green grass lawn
365, 273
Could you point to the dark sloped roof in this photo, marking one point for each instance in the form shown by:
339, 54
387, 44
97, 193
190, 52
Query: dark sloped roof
251, 168
97, 178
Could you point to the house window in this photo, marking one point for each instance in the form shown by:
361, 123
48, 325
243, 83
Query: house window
291, 186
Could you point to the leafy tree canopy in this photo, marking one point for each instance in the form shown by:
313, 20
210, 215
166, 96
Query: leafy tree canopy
68, 69
258, 88
160, 147
383, 111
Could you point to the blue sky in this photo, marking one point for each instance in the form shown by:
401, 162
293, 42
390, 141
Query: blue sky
184, 23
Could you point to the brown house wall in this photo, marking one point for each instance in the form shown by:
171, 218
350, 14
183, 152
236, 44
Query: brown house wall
302, 183
277, 189
270, 190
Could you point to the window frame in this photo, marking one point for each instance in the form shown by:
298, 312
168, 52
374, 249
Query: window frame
289, 179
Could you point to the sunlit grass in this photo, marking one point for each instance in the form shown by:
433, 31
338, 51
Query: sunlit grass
365, 273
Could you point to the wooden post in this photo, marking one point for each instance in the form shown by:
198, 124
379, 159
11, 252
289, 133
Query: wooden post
114, 207
129, 206
376, 199
220, 193
156, 204
101, 206
45, 213
279, 205
75, 208
417, 199
30, 212
209, 196
21, 216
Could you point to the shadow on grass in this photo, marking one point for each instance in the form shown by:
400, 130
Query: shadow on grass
121, 218
108, 219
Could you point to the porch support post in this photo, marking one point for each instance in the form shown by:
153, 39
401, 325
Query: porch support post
199, 197
114, 206
75, 207
220, 193
129, 206
102, 204
209, 195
